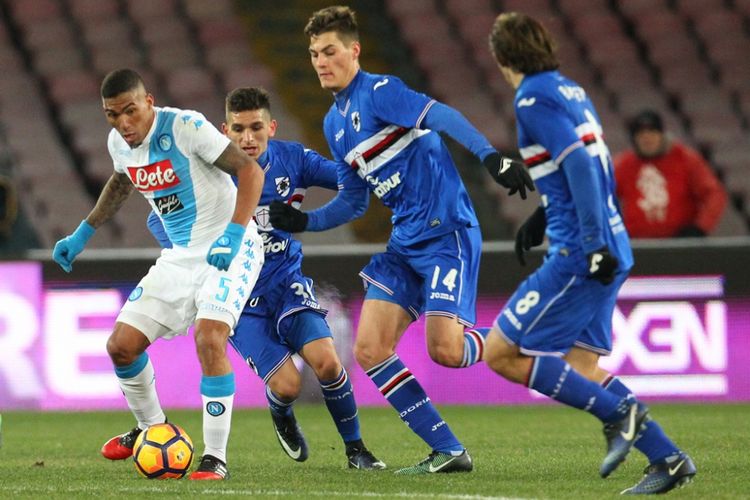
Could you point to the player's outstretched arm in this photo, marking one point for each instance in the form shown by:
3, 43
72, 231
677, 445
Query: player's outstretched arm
250, 178
113, 195
506, 171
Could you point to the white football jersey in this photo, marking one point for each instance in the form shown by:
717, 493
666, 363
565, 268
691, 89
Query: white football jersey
173, 169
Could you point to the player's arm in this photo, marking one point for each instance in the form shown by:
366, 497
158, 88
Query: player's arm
396, 103
155, 226
114, 194
317, 170
350, 202
250, 179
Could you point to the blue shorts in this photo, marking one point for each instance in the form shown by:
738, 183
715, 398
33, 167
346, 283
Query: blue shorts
555, 309
278, 324
437, 277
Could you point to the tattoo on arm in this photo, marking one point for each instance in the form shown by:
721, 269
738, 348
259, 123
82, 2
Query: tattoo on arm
113, 196
231, 159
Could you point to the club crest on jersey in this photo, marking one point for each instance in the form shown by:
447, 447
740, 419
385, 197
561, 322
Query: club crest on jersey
356, 122
282, 185
159, 175
262, 218
165, 142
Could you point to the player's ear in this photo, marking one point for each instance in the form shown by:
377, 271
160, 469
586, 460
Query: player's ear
224, 128
272, 125
356, 49
150, 100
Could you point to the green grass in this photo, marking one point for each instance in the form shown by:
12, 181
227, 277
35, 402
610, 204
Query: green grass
519, 452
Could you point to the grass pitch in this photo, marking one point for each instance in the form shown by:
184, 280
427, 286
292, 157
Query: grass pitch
519, 452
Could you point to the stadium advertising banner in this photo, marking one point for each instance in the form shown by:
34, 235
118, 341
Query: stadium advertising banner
676, 338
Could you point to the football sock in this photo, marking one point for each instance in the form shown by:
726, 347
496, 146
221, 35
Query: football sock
653, 442
474, 340
403, 392
217, 394
138, 385
339, 398
277, 405
555, 378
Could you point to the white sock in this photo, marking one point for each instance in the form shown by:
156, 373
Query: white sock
216, 425
140, 393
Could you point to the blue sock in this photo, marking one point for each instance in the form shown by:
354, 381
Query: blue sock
474, 340
555, 378
403, 392
653, 442
277, 406
339, 398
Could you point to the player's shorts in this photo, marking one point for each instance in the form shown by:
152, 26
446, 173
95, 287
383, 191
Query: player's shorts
555, 309
181, 287
437, 277
278, 324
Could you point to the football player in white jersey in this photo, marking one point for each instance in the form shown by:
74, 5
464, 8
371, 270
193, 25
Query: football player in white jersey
182, 165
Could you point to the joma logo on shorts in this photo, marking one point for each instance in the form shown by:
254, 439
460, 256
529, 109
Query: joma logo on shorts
159, 175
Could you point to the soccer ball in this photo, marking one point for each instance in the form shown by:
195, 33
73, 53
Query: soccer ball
163, 451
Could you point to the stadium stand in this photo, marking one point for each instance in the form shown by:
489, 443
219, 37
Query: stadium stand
687, 59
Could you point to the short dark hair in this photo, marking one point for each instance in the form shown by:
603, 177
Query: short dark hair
247, 99
646, 119
523, 44
120, 80
338, 18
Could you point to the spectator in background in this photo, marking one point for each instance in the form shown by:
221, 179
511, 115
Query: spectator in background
666, 188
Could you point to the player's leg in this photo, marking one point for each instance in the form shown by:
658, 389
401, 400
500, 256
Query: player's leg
449, 266
310, 330
218, 307
148, 314
255, 339
135, 374
541, 322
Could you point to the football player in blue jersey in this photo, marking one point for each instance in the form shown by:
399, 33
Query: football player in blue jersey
385, 139
282, 316
552, 331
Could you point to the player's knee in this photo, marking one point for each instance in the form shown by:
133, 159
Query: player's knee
327, 367
120, 352
369, 354
210, 343
287, 387
445, 355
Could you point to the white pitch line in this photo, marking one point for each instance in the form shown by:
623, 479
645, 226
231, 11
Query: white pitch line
234, 491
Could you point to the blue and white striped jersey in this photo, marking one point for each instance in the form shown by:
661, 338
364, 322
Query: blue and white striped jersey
173, 169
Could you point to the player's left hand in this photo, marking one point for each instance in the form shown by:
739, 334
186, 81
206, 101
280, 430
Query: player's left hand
224, 249
603, 266
286, 217
530, 234
509, 173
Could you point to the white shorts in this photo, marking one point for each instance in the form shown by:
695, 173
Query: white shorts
181, 287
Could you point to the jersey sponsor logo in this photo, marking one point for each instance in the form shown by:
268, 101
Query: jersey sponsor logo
356, 121
215, 408
526, 101
168, 204
282, 185
381, 189
381, 83
153, 177
165, 142
273, 246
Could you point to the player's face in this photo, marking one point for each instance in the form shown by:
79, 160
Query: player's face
250, 130
131, 114
335, 61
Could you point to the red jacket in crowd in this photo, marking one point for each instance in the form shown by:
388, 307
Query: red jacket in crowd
661, 196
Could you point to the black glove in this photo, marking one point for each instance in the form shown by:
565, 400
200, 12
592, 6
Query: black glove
509, 173
286, 217
603, 266
530, 234
691, 231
